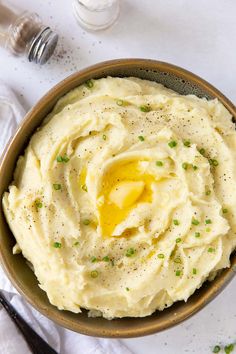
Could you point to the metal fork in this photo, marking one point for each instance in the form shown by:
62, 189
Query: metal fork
36, 344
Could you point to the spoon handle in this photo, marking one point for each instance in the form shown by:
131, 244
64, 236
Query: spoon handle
34, 341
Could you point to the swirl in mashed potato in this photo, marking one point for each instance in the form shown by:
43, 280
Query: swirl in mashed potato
124, 200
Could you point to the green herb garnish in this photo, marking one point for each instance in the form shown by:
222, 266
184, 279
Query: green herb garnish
159, 163
211, 250
145, 108
187, 143
57, 245
89, 84
202, 151
141, 138
172, 144
194, 271
38, 204
106, 259
93, 259
59, 158
178, 273
176, 222
185, 165
57, 186
229, 348
195, 221
213, 162
208, 192
197, 234
130, 252
104, 137
178, 240
208, 221
177, 260
86, 221
224, 210
161, 255
76, 243
94, 274
127, 289
64, 158
195, 167
216, 349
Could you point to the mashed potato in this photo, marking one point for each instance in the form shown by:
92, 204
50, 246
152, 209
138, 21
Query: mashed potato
124, 201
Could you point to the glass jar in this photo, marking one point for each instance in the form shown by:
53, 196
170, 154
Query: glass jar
22, 33
96, 15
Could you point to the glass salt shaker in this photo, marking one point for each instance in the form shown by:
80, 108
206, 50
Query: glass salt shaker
22, 33
96, 15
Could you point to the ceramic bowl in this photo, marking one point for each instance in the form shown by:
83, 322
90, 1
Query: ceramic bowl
15, 266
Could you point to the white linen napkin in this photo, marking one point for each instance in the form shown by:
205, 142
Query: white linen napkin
62, 340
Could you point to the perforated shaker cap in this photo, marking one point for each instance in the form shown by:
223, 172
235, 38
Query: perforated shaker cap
43, 46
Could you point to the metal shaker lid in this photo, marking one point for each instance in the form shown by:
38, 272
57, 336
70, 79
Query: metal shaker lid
43, 46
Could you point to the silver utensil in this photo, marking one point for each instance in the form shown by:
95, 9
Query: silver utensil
36, 344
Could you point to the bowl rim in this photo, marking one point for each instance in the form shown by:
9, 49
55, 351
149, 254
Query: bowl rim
56, 91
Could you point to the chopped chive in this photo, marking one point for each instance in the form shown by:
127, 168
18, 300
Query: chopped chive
208, 192
64, 158
211, 250
141, 138
172, 144
57, 245
195, 221
94, 274
229, 348
197, 234
224, 210
178, 240
178, 273
93, 259
106, 259
185, 165
119, 102
216, 349
130, 252
84, 187
202, 151
76, 243
86, 221
38, 204
208, 221
57, 186
194, 271
213, 162
208, 229
145, 108
159, 163
187, 143
176, 222
104, 137
195, 167
127, 289
177, 260
161, 255
89, 84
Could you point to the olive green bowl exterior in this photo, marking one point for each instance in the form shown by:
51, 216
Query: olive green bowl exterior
15, 266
